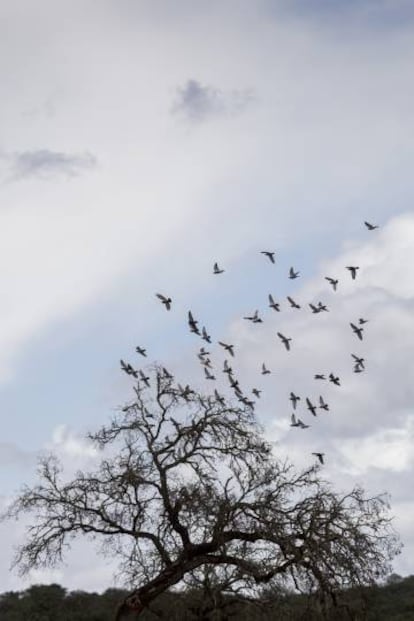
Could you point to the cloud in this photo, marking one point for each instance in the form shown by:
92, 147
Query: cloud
47, 164
197, 103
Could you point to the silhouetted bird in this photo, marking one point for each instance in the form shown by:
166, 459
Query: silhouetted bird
203, 352
332, 281
319, 376
192, 323
294, 398
205, 336
292, 302
314, 308
273, 304
361, 321
269, 255
353, 269
293, 274
311, 407
144, 378
166, 301
141, 350
358, 369
208, 375
334, 379
128, 369
167, 374
227, 368
285, 340
359, 361
371, 227
322, 404
216, 269
357, 331
254, 318
320, 456
229, 348
206, 362
296, 422
265, 371
219, 398
256, 392
323, 307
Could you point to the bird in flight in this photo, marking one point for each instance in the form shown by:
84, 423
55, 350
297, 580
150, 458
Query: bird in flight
203, 352
217, 269
353, 269
218, 397
265, 371
273, 304
141, 350
334, 379
256, 392
208, 375
357, 331
185, 392
192, 323
311, 407
227, 368
167, 374
128, 369
292, 302
323, 307
294, 398
320, 456
229, 348
361, 321
285, 340
319, 376
254, 318
371, 227
332, 281
322, 404
293, 274
205, 336
144, 378
269, 255
296, 422
314, 308
166, 301
359, 362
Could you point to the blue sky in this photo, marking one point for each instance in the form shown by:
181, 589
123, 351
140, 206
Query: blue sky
141, 142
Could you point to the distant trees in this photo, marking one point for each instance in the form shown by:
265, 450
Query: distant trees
187, 482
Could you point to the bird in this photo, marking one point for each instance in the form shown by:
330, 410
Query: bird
144, 378
141, 350
273, 304
166, 301
353, 269
128, 369
294, 398
358, 369
256, 392
322, 404
192, 323
285, 340
332, 281
229, 348
296, 422
234, 383
218, 397
227, 368
206, 362
216, 269
254, 318
323, 307
269, 255
334, 379
292, 302
311, 407
361, 321
358, 361
203, 352
265, 371
185, 392
319, 376
208, 375
167, 374
320, 456
205, 336
371, 227
357, 331
293, 274
314, 308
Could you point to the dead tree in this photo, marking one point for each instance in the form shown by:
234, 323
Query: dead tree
187, 480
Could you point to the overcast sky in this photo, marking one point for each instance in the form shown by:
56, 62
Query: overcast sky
142, 141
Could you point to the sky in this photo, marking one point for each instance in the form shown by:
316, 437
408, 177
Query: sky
144, 140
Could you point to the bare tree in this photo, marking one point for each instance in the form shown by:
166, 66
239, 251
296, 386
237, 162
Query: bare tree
187, 481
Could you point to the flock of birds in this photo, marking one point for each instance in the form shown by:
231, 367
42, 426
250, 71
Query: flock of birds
205, 360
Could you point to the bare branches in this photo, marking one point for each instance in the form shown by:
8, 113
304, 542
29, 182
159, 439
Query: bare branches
187, 482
